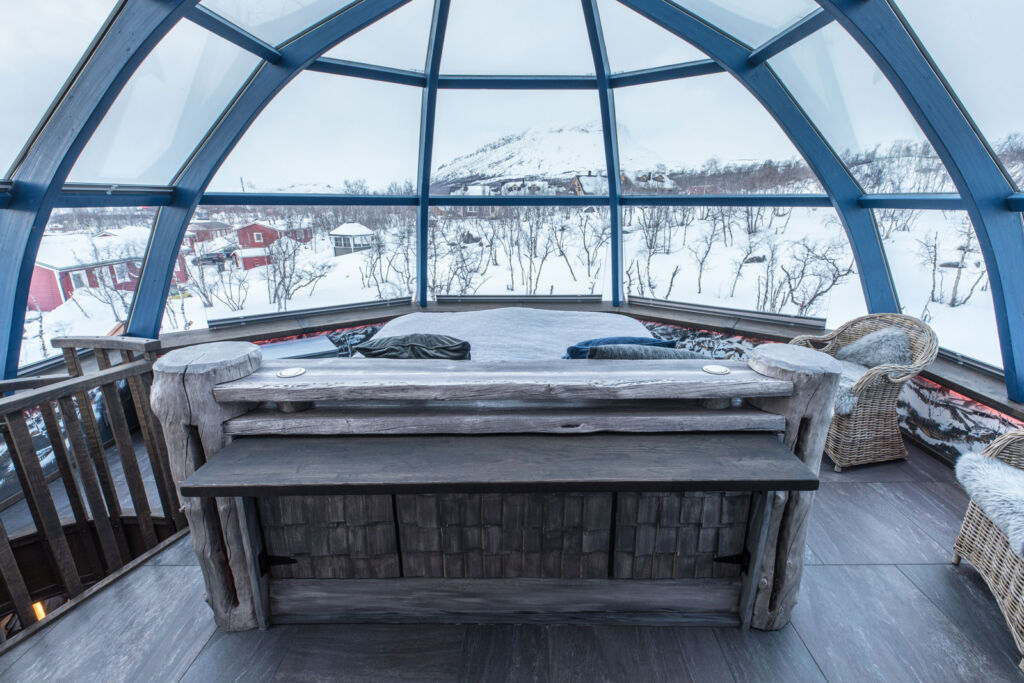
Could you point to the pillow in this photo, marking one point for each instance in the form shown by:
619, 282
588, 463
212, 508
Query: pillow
998, 489
639, 352
889, 346
439, 346
580, 350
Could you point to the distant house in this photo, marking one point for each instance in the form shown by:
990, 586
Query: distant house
248, 258
473, 190
526, 187
258, 235
206, 230
589, 184
70, 261
649, 182
351, 237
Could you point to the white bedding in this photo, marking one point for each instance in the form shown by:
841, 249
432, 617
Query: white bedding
518, 333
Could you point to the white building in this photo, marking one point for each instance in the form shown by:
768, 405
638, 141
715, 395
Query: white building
351, 237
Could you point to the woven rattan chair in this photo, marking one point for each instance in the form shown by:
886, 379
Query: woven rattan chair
871, 432
985, 546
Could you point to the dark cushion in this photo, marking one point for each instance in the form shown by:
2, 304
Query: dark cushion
639, 352
580, 350
439, 346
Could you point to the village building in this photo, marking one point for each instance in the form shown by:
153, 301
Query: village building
472, 190
589, 184
351, 237
72, 261
206, 230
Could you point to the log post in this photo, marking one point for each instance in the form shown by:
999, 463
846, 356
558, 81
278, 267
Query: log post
808, 413
192, 421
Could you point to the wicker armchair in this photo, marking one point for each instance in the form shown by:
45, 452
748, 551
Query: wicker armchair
985, 546
871, 432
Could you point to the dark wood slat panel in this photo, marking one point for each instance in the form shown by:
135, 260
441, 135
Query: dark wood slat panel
26, 400
153, 437
44, 512
91, 429
126, 450
104, 529
695, 602
14, 581
502, 417
383, 379
592, 462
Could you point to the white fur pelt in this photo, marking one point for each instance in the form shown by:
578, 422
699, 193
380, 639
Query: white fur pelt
998, 489
888, 346
846, 400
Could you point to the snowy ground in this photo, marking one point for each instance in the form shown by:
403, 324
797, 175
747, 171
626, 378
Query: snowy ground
542, 253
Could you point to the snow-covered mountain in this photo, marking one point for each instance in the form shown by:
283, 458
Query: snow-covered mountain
557, 152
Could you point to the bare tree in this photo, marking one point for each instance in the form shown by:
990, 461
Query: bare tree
701, 251
286, 275
812, 270
233, 288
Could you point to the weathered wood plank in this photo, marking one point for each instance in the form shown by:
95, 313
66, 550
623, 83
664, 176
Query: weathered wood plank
37, 495
156, 449
382, 379
26, 400
140, 344
503, 417
503, 463
93, 494
692, 602
14, 582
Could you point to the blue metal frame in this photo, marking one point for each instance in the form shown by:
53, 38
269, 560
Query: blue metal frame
169, 229
435, 45
978, 176
592, 18
215, 23
37, 183
845, 193
49, 157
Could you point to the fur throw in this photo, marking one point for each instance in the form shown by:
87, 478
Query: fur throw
998, 489
846, 400
888, 346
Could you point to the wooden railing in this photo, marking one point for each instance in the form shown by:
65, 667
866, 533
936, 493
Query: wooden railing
79, 527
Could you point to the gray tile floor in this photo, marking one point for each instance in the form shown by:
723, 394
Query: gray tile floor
879, 602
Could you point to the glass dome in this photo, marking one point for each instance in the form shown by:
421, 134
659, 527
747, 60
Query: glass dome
173, 165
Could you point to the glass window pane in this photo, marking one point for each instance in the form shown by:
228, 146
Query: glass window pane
527, 37
752, 22
519, 250
331, 134
502, 138
399, 40
940, 277
704, 135
249, 260
981, 61
775, 260
860, 114
635, 43
275, 20
166, 108
84, 276
40, 44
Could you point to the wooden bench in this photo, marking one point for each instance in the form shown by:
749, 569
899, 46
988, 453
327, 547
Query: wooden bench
374, 490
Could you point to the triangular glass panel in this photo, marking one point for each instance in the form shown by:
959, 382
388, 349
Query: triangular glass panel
635, 43
860, 114
166, 108
535, 37
275, 21
329, 134
398, 40
751, 22
704, 135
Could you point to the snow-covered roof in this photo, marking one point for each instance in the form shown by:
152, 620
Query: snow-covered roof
67, 251
593, 184
196, 226
250, 252
351, 230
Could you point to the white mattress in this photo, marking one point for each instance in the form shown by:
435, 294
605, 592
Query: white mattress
517, 333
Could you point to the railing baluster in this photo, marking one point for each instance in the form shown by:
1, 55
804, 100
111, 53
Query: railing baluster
67, 473
37, 493
14, 581
104, 530
157, 447
96, 451
129, 462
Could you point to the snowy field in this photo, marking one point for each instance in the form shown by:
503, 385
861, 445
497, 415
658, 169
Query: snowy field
793, 261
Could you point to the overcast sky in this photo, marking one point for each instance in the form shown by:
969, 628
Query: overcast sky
328, 129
